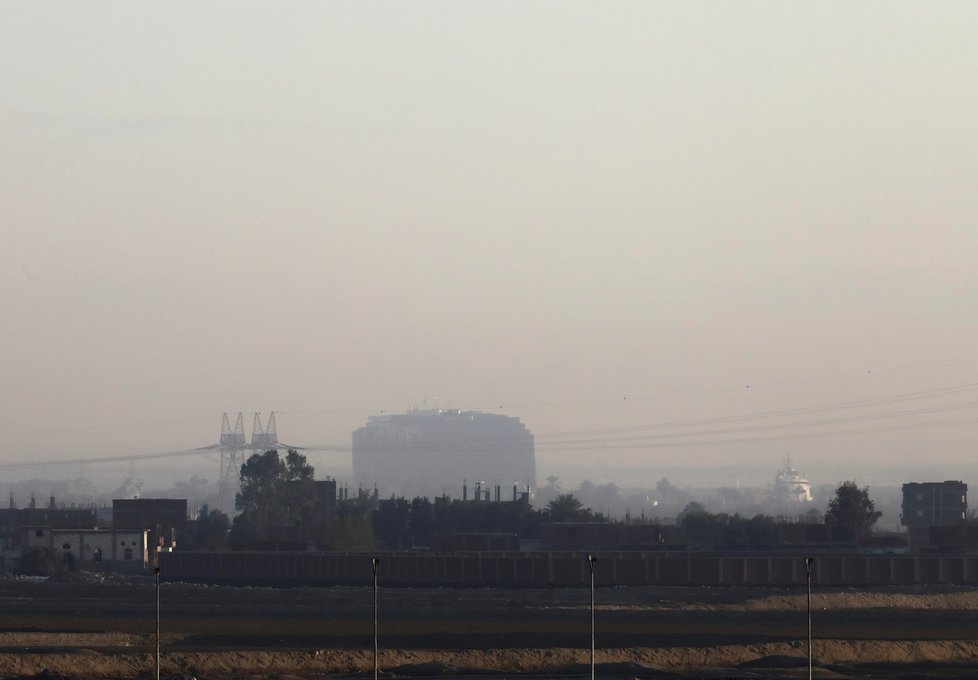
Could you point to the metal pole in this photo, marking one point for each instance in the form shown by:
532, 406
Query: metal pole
808, 573
376, 565
156, 571
590, 562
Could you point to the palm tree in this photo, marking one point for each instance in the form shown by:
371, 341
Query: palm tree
565, 508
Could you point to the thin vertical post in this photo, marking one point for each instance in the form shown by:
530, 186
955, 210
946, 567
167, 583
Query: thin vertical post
590, 562
376, 566
156, 571
808, 574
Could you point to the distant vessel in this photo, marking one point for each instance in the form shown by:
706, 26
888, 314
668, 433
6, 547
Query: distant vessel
791, 486
425, 452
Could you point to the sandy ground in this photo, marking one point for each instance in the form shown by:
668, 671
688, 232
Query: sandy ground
830, 654
93, 630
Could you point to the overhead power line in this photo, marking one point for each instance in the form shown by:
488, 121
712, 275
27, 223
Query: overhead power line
782, 424
102, 459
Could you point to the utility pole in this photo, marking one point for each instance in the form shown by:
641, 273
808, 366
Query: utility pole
591, 559
156, 571
808, 574
376, 566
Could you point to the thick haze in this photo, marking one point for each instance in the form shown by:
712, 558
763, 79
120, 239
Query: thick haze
593, 216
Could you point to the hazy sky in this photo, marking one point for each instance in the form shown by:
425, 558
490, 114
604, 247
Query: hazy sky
593, 216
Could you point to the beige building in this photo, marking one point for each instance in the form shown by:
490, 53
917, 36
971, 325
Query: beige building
115, 548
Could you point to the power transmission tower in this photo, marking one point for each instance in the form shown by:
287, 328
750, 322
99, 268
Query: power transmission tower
232, 446
264, 439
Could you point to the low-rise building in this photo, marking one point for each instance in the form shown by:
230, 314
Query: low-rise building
163, 518
118, 549
932, 504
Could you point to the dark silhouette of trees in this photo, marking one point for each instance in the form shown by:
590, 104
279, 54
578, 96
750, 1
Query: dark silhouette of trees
391, 520
208, 533
567, 508
400, 523
851, 507
692, 509
42, 562
703, 527
351, 527
720, 530
445, 518
421, 521
274, 493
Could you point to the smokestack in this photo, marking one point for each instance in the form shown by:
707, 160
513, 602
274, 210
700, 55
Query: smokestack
465, 489
33, 502
51, 505
514, 492
497, 493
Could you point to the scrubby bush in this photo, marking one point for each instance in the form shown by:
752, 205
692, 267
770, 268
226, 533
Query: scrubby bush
42, 562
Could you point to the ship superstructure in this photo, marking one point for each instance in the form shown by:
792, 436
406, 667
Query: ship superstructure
427, 452
791, 486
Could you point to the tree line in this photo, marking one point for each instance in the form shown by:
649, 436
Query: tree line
278, 495
277, 503
851, 513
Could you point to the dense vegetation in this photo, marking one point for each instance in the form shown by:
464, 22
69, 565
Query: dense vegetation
277, 507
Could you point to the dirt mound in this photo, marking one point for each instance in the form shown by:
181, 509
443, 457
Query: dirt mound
964, 600
641, 662
776, 661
